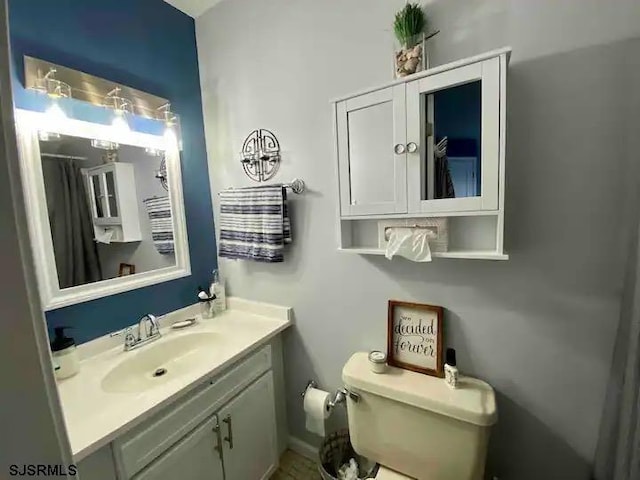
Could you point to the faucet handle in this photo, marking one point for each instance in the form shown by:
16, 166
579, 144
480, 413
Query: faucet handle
129, 338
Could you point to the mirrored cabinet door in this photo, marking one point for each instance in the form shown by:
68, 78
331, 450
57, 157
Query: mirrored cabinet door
372, 158
453, 126
104, 202
96, 187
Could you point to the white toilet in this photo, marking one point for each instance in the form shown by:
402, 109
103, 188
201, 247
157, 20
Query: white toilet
415, 426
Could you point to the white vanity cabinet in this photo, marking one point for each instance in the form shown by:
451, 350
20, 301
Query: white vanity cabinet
192, 458
114, 202
98, 466
430, 145
227, 428
249, 446
237, 443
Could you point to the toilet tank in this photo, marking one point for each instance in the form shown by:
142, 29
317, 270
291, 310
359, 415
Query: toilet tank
416, 425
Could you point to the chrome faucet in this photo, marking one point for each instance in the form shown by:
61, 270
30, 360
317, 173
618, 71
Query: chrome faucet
148, 331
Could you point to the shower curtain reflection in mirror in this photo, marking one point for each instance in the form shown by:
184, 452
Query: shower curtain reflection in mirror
75, 250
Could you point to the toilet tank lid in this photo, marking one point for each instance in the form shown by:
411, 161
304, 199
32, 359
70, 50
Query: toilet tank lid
473, 402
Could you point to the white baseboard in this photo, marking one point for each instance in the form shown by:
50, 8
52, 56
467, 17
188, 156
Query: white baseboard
270, 473
303, 448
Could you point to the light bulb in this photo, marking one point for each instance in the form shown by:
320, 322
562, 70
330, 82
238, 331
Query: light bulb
120, 123
55, 112
170, 136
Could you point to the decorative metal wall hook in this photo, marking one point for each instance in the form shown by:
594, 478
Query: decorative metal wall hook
260, 155
161, 174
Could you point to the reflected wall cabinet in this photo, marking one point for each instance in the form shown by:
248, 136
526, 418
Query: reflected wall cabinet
429, 145
114, 202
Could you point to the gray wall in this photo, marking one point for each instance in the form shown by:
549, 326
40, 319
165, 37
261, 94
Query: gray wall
540, 327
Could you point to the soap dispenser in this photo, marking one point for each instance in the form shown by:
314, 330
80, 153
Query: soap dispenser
65, 354
217, 291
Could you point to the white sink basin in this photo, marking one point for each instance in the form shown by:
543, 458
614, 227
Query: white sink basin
157, 363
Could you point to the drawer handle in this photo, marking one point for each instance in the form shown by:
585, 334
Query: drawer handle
229, 437
218, 447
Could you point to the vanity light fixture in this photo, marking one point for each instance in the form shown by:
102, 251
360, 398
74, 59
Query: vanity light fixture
169, 118
54, 89
104, 144
55, 112
121, 107
172, 132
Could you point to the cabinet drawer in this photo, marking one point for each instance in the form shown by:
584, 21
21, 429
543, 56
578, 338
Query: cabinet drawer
139, 447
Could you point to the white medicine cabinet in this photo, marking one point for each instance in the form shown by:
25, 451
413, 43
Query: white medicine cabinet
428, 149
111, 189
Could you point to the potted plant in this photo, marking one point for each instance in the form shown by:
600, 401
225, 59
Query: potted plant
408, 27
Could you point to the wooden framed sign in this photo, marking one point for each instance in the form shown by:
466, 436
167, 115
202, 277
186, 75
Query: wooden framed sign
126, 269
414, 337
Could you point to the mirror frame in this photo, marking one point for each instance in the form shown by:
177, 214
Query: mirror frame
28, 123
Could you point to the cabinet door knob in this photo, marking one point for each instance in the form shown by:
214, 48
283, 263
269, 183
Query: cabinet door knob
399, 149
229, 437
412, 147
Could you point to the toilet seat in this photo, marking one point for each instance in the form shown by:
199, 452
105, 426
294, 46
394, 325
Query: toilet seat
386, 474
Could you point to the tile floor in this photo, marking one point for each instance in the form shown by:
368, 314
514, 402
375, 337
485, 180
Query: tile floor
296, 467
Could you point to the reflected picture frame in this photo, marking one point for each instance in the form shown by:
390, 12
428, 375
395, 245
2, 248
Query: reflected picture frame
126, 269
28, 124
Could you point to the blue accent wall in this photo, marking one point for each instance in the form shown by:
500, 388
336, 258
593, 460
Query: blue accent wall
148, 45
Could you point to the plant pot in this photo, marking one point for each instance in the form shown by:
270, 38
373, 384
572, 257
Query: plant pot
409, 57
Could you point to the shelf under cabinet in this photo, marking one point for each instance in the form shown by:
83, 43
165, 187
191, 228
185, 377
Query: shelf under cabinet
462, 254
474, 237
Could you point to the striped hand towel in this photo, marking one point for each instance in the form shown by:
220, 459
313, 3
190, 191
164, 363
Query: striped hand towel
254, 223
159, 211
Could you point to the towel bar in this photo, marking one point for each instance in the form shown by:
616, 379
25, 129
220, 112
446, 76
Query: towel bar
296, 186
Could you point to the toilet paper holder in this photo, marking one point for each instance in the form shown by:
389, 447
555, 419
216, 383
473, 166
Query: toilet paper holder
339, 397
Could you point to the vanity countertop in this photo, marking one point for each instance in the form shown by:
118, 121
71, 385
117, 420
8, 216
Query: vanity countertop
95, 417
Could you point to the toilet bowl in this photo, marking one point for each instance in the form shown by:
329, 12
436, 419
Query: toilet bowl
415, 426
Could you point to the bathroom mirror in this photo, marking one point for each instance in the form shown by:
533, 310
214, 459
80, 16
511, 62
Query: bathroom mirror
105, 207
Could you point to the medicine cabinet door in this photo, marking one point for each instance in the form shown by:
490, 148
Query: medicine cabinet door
372, 158
453, 135
103, 193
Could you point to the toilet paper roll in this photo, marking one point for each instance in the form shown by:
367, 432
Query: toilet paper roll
316, 409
